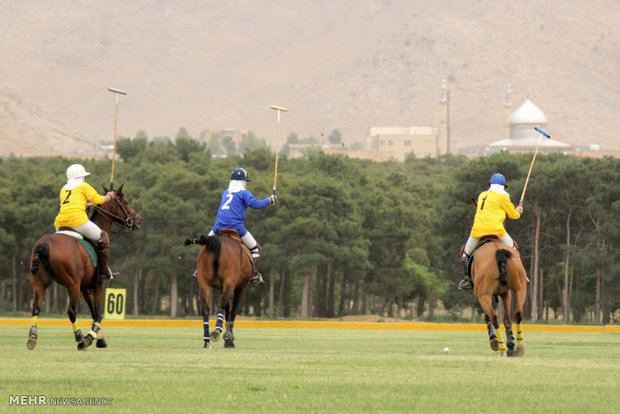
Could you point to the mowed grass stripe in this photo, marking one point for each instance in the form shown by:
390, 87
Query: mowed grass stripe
315, 370
424, 326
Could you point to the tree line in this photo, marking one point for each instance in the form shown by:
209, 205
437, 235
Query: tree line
347, 236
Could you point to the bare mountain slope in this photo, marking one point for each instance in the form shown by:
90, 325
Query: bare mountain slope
343, 64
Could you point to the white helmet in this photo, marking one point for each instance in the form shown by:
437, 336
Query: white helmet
76, 171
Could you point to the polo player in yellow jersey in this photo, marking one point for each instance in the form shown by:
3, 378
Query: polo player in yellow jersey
493, 207
73, 198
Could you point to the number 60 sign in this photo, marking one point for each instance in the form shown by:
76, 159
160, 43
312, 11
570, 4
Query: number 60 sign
114, 304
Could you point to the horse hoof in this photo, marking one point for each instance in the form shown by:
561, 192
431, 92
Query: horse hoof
229, 344
494, 344
207, 345
215, 335
520, 350
32, 342
102, 343
79, 336
88, 340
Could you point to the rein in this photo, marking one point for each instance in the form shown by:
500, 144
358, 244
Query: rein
126, 223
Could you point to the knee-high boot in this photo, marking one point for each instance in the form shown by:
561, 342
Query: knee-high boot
103, 255
256, 278
467, 283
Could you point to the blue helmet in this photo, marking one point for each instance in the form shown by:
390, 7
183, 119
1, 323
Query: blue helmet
240, 174
498, 178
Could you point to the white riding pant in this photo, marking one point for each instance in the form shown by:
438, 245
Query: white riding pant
472, 243
89, 230
249, 241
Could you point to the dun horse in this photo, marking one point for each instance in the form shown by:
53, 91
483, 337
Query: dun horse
225, 264
63, 258
496, 269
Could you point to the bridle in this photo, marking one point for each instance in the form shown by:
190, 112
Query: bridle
127, 223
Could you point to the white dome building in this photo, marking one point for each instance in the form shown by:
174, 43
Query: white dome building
523, 136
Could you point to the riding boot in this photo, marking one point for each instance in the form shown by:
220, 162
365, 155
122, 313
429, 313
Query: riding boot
103, 255
257, 278
467, 283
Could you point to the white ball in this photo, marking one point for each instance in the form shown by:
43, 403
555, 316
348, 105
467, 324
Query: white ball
446, 350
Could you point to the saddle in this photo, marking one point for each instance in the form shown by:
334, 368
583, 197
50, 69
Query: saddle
88, 245
233, 234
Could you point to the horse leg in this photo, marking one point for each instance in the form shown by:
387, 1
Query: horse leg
510, 339
229, 337
495, 335
520, 299
98, 316
204, 306
74, 297
38, 292
95, 304
227, 292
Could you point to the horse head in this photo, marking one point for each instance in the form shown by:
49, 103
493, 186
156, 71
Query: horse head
120, 212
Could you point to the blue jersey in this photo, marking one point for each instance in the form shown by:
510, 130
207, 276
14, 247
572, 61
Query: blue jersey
231, 214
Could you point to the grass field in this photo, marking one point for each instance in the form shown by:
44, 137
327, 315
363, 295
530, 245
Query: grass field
313, 370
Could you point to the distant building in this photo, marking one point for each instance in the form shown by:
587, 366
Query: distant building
522, 135
399, 142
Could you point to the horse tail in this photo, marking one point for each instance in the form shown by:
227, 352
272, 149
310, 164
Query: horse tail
212, 244
41, 254
502, 256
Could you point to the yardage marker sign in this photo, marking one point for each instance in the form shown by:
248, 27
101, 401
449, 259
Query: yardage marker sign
115, 300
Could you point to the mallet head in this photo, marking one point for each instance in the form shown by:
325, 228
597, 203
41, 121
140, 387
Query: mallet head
278, 108
542, 132
116, 90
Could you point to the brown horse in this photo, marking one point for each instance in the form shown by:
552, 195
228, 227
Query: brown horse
496, 270
62, 258
225, 264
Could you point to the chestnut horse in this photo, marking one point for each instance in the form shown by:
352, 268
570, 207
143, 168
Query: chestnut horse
225, 264
62, 258
496, 269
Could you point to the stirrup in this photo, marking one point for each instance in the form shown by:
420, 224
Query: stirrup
195, 274
466, 284
108, 275
257, 279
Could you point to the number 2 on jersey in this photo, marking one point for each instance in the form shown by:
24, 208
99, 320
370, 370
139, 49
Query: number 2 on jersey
226, 206
67, 198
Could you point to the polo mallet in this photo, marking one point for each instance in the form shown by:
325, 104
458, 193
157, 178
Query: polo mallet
532, 164
117, 92
279, 109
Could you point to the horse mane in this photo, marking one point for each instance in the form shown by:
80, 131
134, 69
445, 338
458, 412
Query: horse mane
502, 256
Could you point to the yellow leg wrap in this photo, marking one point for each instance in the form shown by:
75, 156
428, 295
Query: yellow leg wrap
519, 332
76, 327
35, 320
500, 341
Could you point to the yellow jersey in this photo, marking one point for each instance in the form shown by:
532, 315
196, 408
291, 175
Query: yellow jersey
73, 205
491, 212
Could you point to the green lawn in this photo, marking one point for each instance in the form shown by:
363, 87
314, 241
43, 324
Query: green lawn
314, 370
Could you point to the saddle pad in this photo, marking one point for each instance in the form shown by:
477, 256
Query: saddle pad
90, 250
